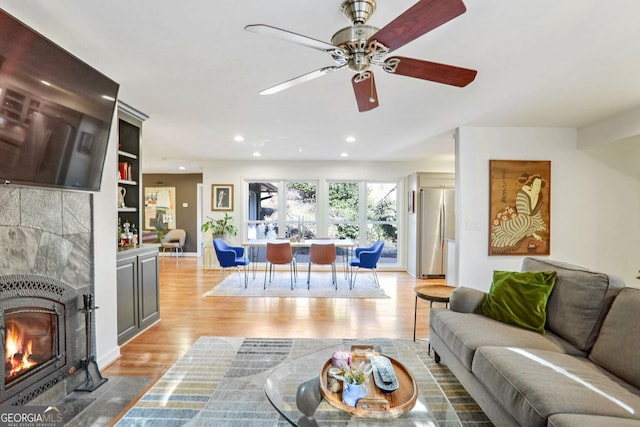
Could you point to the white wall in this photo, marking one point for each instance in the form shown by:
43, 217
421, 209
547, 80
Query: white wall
105, 231
412, 230
594, 208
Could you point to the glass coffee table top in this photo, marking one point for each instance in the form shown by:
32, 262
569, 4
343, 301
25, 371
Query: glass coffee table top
293, 389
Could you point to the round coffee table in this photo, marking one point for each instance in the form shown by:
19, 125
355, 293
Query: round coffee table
431, 293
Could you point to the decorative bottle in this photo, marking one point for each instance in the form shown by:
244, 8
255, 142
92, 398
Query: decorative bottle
134, 234
125, 237
119, 231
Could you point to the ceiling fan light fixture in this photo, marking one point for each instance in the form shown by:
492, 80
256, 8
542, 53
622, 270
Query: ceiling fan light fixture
358, 11
354, 43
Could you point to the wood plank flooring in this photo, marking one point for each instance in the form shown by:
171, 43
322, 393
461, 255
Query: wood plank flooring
186, 315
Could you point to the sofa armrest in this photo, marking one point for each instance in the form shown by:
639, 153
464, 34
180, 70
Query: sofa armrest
465, 300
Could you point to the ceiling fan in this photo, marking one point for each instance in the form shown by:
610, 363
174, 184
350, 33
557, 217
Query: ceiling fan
359, 46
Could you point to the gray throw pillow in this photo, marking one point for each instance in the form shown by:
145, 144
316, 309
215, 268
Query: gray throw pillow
617, 348
579, 301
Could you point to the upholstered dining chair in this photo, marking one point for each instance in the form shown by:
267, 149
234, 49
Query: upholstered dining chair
231, 257
174, 239
279, 253
366, 258
323, 254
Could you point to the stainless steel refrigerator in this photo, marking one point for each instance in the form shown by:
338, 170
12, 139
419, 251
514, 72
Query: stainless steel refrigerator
436, 226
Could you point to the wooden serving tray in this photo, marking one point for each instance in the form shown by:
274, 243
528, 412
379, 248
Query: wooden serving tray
376, 404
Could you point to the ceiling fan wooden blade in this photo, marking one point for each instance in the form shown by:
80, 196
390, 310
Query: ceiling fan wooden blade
300, 79
418, 20
291, 37
364, 87
432, 71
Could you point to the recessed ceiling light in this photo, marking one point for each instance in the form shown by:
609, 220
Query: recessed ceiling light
238, 138
344, 155
181, 168
256, 154
350, 139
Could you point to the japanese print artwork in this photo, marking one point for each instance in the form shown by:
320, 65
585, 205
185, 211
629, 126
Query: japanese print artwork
519, 204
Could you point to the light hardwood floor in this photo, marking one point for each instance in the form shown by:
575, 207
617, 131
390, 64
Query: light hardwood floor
186, 315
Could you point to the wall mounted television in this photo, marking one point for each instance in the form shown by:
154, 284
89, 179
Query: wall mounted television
55, 112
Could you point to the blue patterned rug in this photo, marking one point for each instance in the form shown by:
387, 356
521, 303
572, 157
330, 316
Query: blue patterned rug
220, 382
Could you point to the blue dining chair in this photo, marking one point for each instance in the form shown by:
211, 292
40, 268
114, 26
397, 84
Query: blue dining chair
231, 256
366, 258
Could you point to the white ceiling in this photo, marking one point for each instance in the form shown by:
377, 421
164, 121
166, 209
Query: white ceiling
193, 69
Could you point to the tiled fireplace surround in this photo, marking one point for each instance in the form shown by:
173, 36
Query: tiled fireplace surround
49, 232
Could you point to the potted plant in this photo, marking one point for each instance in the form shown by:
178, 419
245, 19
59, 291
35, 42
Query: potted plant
220, 227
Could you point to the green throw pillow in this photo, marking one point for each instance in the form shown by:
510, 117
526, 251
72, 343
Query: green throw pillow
519, 298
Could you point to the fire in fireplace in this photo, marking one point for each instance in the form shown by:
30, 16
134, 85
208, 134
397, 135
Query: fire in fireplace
30, 341
39, 335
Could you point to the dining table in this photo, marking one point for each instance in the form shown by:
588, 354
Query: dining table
255, 245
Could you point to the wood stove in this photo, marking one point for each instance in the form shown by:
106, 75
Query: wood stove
38, 325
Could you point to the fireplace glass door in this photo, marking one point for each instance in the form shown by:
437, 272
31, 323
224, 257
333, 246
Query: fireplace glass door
30, 341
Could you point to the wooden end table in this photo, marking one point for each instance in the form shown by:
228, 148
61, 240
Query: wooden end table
431, 293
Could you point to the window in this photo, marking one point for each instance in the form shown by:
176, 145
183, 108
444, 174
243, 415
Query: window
301, 209
358, 210
262, 213
382, 218
271, 209
344, 201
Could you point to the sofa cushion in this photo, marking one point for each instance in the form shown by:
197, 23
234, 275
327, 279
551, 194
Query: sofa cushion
579, 300
617, 348
534, 384
579, 420
463, 333
519, 298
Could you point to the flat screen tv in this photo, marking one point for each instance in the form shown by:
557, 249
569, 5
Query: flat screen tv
55, 112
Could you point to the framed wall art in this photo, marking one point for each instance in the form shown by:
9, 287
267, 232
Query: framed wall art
159, 208
222, 197
519, 207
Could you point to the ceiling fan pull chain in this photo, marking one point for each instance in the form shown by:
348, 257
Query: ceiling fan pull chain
372, 98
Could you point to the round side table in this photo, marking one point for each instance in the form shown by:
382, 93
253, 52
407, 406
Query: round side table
431, 293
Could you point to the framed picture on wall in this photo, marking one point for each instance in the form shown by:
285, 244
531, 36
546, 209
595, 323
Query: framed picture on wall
519, 207
160, 208
222, 197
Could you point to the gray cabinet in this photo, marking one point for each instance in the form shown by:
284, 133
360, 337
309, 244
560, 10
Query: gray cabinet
138, 292
148, 290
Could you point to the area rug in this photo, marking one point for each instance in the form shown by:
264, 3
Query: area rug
220, 382
320, 286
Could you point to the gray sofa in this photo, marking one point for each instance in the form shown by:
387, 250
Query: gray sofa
583, 371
